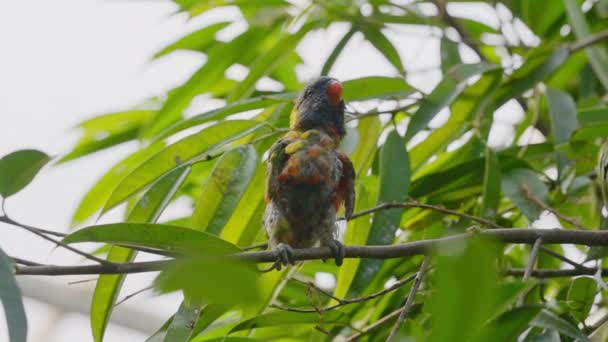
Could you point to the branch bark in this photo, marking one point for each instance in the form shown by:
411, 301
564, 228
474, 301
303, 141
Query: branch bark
504, 235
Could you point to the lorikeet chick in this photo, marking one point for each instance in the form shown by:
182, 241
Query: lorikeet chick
308, 178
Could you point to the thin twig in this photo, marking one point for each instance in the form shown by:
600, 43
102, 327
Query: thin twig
374, 325
532, 259
59, 243
410, 298
554, 273
548, 208
82, 281
131, 295
342, 302
588, 41
437, 208
561, 257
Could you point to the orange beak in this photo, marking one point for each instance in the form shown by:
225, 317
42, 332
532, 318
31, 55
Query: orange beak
334, 92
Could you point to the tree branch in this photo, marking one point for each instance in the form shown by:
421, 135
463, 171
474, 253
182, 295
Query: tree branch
505, 235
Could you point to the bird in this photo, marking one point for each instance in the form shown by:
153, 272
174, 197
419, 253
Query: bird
308, 178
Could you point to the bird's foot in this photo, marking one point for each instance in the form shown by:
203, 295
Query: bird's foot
284, 256
337, 249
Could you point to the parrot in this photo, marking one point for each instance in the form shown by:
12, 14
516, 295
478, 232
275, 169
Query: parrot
308, 178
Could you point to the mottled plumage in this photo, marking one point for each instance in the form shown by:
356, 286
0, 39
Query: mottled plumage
308, 178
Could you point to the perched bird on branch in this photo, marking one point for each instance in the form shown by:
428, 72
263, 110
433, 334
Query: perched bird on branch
308, 178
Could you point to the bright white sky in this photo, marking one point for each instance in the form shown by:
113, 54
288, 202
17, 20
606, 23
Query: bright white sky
63, 61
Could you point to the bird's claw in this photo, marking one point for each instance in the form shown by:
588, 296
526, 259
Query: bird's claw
338, 250
284, 256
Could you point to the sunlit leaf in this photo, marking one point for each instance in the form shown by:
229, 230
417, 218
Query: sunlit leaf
108, 130
10, 296
99, 193
187, 150
198, 40
220, 196
384, 45
18, 169
365, 88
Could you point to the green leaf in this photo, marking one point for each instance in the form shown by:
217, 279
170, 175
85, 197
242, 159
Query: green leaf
491, 186
187, 150
541, 63
471, 103
226, 282
465, 294
108, 130
281, 318
184, 321
548, 320
199, 40
335, 53
450, 55
376, 87
18, 169
160, 236
524, 188
231, 108
97, 196
225, 187
581, 295
563, 122
269, 60
509, 325
148, 209
242, 228
10, 296
369, 131
384, 45
394, 187
598, 57
203, 79
444, 94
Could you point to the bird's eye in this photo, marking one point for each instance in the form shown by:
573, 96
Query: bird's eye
307, 92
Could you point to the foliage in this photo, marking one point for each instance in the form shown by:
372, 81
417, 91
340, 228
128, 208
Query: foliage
547, 59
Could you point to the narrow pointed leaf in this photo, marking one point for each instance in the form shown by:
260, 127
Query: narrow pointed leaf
97, 196
160, 236
10, 296
376, 87
597, 55
444, 94
562, 110
198, 40
548, 320
491, 186
384, 45
225, 187
394, 187
184, 321
183, 151
335, 53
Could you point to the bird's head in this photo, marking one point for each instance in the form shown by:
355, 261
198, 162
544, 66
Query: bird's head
320, 106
